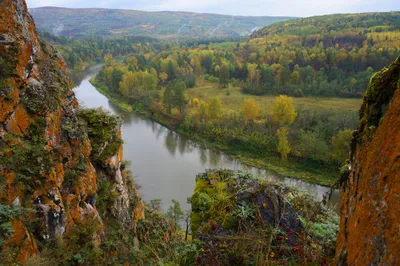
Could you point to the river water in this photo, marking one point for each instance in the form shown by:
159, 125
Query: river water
164, 163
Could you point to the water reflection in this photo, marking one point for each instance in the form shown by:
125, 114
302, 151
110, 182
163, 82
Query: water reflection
165, 163
171, 142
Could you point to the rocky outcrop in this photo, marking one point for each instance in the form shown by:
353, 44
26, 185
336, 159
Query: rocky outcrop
370, 189
47, 163
241, 220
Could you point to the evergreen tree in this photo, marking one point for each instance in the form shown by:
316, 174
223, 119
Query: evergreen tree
224, 76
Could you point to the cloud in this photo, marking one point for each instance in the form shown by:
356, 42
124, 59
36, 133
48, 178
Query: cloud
236, 7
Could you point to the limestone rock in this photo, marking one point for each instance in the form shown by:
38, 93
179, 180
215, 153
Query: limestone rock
370, 190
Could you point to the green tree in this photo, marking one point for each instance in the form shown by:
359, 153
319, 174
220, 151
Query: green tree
167, 98
311, 145
283, 143
174, 96
175, 214
116, 78
224, 76
341, 145
178, 97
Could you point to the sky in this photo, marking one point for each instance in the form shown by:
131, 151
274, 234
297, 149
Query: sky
297, 8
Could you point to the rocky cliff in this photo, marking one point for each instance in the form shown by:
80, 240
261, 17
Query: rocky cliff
370, 189
55, 161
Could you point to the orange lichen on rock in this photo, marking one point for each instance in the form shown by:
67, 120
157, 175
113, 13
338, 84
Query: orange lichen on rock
48, 167
18, 122
139, 211
370, 194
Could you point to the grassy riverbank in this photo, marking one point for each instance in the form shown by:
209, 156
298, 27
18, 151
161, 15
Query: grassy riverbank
232, 98
294, 167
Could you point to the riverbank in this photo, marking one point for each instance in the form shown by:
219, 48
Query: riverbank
311, 173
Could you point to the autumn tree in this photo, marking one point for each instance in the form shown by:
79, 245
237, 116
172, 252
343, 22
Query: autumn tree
283, 143
127, 84
202, 109
163, 77
250, 109
107, 75
109, 60
283, 111
214, 108
139, 85
252, 71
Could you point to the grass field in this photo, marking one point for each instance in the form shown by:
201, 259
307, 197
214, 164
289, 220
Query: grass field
234, 100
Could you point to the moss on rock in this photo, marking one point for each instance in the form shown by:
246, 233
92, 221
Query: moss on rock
253, 217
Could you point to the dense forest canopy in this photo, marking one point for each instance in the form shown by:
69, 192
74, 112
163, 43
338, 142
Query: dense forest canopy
332, 55
365, 23
327, 55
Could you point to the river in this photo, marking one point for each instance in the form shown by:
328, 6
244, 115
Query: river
164, 163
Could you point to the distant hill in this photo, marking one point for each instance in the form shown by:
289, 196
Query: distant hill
336, 24
116, 22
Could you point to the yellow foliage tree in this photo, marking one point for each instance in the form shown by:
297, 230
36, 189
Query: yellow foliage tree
250, 109
194, 102
283, 111
283, 143
251, 68
108, 71
109, 60
127, 83
214, 108
137, 85
163, 77
203, 107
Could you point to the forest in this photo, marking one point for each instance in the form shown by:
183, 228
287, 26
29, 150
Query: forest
213, 90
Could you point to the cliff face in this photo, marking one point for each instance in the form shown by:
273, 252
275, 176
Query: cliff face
370, 191
47, 165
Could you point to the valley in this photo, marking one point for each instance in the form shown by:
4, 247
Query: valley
178, 138
148, 144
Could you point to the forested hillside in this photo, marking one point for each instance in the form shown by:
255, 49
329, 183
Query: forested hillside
303, 57
327, 55
113, 23
79, 53
198, 88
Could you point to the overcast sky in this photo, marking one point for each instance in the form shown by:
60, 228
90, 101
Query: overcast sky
300, 8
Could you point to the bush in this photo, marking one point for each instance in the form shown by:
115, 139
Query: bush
211, 78
190, 81
298, 93
102, 129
